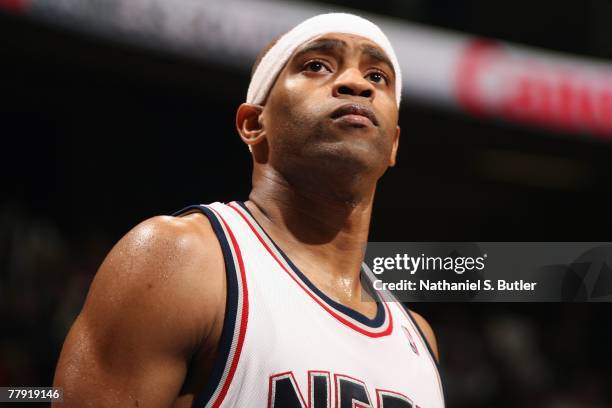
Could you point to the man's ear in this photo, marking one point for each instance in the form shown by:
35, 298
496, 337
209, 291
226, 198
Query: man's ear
249, 123
395, 147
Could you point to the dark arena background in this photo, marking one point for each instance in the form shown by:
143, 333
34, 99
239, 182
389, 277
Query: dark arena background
105, 124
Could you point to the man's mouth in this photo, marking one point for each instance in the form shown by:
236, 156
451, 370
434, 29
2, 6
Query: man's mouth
355, 114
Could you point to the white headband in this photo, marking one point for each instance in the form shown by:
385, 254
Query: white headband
277, 56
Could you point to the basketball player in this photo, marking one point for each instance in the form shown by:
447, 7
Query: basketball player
260, 303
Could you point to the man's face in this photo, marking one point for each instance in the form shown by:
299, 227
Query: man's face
334, 105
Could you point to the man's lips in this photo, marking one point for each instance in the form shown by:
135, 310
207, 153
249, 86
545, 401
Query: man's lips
356, 112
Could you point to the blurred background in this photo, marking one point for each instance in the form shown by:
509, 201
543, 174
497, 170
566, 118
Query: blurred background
114, 111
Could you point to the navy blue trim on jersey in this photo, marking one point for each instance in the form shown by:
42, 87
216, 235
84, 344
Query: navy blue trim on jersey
433, 356
231, 307
374, 323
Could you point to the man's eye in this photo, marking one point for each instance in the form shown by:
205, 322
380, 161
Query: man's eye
315, 66
376, 77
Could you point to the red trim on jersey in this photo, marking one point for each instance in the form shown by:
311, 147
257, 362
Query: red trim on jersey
355, 380
397, 394
243, 319
338, 317
295, 385
328, 374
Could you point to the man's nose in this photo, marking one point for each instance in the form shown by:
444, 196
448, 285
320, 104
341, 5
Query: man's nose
352, 82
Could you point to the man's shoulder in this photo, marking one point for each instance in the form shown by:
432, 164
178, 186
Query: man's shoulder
165, 264
177, 253
170, 239
156, 301
164, 230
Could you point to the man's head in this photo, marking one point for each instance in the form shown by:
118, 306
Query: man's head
324, 100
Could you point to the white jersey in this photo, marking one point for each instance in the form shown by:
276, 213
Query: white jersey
285, 344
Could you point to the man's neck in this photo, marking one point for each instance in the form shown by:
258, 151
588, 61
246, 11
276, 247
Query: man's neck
323, 232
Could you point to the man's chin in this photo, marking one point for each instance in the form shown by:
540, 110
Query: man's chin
344, 154
338, 145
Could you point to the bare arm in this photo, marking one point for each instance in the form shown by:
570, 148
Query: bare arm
427, 332
158, 297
